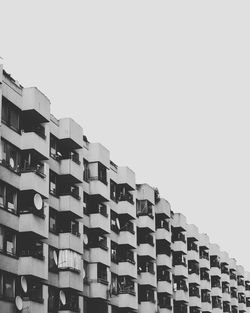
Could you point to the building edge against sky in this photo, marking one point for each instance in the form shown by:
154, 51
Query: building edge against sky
78, 234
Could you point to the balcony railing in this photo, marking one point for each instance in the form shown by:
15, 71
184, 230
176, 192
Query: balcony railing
129, 226
39, 130
178, 237
204, 255
37, 254
127, 289
37, 169
126, 197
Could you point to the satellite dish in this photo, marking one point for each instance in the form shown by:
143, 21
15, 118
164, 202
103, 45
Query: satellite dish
59, 154
62, 297
85, 239
83, 273
118, 223
19, 303
55, 257
12, 163
24, 284
38, 201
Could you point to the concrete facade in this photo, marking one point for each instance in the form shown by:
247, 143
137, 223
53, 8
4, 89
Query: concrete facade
78, 234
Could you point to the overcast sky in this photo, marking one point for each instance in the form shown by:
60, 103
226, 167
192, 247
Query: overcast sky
164, 85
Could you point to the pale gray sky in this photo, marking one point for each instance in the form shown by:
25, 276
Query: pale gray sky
164, 85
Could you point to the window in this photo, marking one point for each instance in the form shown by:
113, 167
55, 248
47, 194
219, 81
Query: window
205, 296
7, 285
178, 235
102, 273
114, 284
53, 299
204, 253
54, 145
72, 302
146, 294
7, 241
8, 197
163, 247
215, 281
30, 246
204, 274
102, 173
86, 270
215, 261
144, 207
113, 222
126, 285
145, 266
124, 193
53, 216
191, 245
180, 283
193, 267
216, 302
53, 259
194, 290
164, 300
113, 190
35, 290
11, 115
114, 254
85, 170
163, 274
179, 258
10, 156
53, 177
69, 260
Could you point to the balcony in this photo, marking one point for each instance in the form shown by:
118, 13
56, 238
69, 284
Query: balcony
29, 222
163, 234
147, 306
164, 259
126, 208
179, 242
33, 306
100, 221
70, 203
147, 278
206, 307
70, 133
96, 187
127, 299
127, 268
7, 217
181, 295
99, 255
12, 176
146, 249
9, 263
163, 208
126, 176
127, 236
71, 279
35, 140
36, 179
36, 106
164, 286
71, 241
71, 171
98, 289
33, 263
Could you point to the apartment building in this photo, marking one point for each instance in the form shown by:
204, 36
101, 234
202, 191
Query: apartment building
79, 234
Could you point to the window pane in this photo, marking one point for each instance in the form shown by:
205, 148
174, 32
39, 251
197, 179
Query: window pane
14, 118
8, 286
